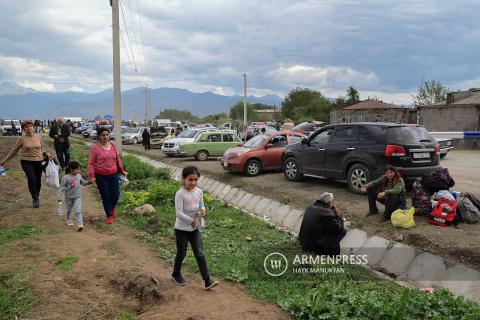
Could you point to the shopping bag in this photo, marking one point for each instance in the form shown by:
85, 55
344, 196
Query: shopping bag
51, 175
403, 218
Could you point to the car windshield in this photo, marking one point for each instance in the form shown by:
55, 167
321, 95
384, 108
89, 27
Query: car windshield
256, 141
132, 130
409, 135
188, 134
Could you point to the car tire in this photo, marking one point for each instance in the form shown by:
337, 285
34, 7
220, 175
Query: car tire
202, 155
357, 177
170, 155
135, 140
253, 168
291, 170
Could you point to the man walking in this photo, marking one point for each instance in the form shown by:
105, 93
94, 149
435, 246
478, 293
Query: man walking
60, 133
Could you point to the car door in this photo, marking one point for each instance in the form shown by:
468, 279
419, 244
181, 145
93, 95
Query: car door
228, 141
214, 144
312, 153
339, 149
272, 156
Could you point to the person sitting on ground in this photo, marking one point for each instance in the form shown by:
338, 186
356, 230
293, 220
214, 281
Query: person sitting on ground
388, 190
322, 227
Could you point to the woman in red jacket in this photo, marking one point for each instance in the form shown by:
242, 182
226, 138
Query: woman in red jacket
104, 165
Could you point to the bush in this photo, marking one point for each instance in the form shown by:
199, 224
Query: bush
138, 170
133, 199
163, 193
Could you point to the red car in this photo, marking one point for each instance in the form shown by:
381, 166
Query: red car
259, 153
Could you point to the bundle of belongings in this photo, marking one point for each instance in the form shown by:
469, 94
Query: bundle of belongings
431, 196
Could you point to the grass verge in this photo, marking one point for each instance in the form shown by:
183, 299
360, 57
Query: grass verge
18, 233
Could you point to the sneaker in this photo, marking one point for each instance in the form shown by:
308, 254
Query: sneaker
80, 227
69, 222
209, 284
178, 278
114, 212
36, 204
109, 220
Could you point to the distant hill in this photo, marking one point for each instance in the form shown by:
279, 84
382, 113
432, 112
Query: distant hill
41, 105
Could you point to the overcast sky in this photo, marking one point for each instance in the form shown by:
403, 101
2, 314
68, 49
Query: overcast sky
383, 48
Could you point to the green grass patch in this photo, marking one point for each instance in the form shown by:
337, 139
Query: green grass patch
16, 296
18, 233
67, 262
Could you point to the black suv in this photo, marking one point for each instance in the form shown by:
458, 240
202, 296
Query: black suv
359, 152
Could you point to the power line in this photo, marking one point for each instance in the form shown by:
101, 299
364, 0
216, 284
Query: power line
130, 14
141, 38
128, 38
132, 64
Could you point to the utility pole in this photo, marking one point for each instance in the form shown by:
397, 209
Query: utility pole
146, 104
117, 103
245, 105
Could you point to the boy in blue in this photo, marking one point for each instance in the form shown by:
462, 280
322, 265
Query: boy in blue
70, 185
188, 205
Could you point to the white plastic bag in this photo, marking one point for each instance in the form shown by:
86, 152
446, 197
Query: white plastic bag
60, 208
51, 175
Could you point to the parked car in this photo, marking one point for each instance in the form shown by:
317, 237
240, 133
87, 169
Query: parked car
262, 152
308, 127
158, 135
446, 145
210, 144
359, 152
132, 135
7, 128
253, 130
171, 147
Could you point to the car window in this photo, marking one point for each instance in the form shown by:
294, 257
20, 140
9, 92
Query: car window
227, 138
295, 139
215, 137
279, 141
364, 135
323, 136
409, 134
345, 134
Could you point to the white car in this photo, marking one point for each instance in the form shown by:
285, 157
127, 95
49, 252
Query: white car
171, 147
6, 128
133, 135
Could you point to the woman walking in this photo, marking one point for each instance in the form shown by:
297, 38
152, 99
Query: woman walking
33, 153
104, 165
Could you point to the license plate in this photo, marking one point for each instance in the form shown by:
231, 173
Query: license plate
225, 164
421, 155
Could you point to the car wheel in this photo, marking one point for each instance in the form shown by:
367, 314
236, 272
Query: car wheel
202, 155
291, 170
358, 176
135, 140
253, 168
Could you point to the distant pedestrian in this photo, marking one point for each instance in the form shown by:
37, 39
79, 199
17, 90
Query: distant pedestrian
104, 166
33, 153
70, 186
60, 133
146, 139
188, 205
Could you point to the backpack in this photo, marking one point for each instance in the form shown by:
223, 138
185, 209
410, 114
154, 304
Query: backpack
438, 180
444, 213
421, 199
466, 210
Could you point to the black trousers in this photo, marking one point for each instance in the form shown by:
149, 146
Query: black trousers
183, 238
63, 154
391, 202
33, 171
146, 144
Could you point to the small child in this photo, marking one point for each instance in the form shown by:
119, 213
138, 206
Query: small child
188, 204
70, 185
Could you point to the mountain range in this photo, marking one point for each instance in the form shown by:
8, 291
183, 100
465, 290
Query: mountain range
17, 102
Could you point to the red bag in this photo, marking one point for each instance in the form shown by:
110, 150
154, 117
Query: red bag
444, 213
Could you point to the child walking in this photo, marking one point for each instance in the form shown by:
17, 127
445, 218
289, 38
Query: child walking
188, 205
70, 185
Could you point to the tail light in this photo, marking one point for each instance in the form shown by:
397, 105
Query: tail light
394, 150
437, 148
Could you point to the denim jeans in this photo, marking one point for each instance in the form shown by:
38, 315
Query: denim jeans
109, 188
183, 238
76, 205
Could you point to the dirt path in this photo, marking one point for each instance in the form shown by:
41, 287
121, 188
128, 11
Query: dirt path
109, 259
459, 244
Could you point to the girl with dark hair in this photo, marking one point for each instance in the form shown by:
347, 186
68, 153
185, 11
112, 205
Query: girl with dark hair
33, 154
388, 190
188, 205
70, 185
104, 165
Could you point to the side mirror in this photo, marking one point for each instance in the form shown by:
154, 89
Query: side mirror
269, 145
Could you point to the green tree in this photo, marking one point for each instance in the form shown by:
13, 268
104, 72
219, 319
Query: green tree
353, 96
236, 112
304, 103
176, 115
430, 92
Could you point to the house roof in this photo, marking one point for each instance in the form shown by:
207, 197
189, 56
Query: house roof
462, 98
372, 104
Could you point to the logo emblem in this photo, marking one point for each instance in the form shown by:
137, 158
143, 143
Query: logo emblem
275, 264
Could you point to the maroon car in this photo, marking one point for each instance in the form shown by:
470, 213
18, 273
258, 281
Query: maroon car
262, 152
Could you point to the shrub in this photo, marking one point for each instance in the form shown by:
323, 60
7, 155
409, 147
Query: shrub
163, 193
138, 170
133, 199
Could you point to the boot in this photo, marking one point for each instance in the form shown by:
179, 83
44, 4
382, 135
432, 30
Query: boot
36, 202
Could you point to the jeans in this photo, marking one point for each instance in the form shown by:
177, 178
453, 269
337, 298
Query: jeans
391, 202
75, 204
63, 154
33, 171
109, 188
183, 238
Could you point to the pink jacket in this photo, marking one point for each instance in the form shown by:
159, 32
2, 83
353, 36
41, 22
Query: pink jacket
103, 161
